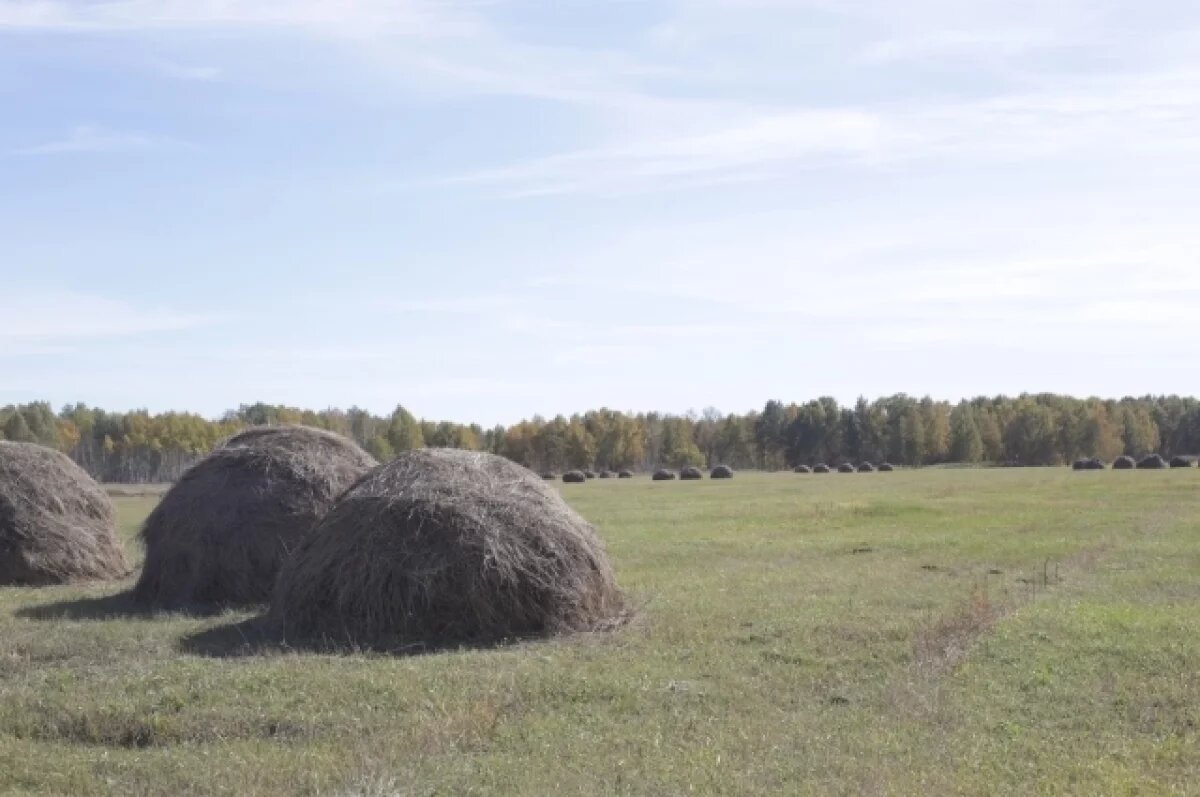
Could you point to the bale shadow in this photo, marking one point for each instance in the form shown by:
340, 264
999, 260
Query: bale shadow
252, 637
120, 606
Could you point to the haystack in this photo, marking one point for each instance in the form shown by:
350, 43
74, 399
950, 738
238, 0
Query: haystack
886, 467
820, 467
1124, 463
442, 547
56, 523
1180, 462
574, 477
663, 475
1091, 463
801, 469
1152, 462
549, 476
866, 467
606, 474
589, 474
721, 472
625, 474
691, 474
845, 467
220, 535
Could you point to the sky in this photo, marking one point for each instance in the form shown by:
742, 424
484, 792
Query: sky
487, 209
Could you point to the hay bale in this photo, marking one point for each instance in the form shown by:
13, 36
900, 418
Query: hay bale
589, 474
1152, 462
574, 477
220, 535
845, 467
1090, 463
691, 474
801, 469
56, 523
866, 467
1124, 463
886, 467
663, 475
606, 474
625, 474
1180, 462
549, 476
820, 467
721, 472
442, 547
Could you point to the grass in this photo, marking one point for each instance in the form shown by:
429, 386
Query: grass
933, 632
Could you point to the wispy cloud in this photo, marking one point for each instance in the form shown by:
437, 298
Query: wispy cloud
90, 138
38, 318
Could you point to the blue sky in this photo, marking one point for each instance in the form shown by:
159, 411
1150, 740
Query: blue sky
492, 208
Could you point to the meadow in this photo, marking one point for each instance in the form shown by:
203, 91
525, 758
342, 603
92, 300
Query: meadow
959, 631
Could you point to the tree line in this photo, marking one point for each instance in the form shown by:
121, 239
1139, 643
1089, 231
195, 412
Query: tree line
1042, 429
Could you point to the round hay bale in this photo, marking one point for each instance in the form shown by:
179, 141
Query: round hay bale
721, 472
1180, 462
845, 467
886, 467
820, 467
1091, 463
1124, 463
606, 474
1152, 462
221, 533
589, 474
549, 476
625, 474
443, 547
1078, 464
663, 475
691, 474
801, 469
866, 467
574, 477
56, 523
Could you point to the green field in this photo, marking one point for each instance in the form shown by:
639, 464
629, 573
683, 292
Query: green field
1023, 631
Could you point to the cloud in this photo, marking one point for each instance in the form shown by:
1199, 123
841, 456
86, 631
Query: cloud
47, 319
90, 138
187, 72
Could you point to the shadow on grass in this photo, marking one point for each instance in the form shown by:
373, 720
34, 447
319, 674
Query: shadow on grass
120, 606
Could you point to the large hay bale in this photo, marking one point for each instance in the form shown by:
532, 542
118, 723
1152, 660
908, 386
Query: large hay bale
691, 474
1090, 463
574, 477
1152, 462
606, 474
1124, 463
866, 467
625, 474
721, 472
845, 467
441, 547
663, 475
549, 476
589, 474
886, 467
1180, 462
801, 469
220, 535
820, 467
56, 523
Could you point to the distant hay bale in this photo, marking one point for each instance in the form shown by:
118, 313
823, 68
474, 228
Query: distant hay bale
721, 472
866, 467
442, 547
801, 469
1152, 462
606, 474
549, 476
691, 474
1090, 463
886, 467
220, 535
589, 474
574, 477
820, 467
1124, 463
663, 475
1180, 462
56, 523
625, 474
845, 467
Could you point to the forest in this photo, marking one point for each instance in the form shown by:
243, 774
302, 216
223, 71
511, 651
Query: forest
1028, 430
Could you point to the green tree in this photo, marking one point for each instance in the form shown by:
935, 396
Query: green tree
404, 432
17, 429
966, 443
